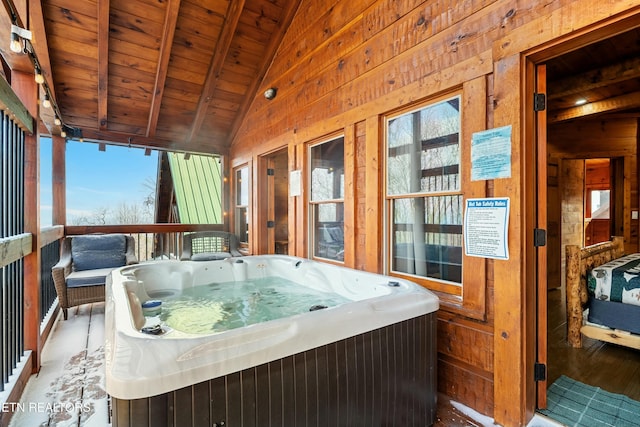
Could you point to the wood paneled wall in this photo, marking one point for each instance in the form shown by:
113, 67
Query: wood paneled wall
603, 138
344, 64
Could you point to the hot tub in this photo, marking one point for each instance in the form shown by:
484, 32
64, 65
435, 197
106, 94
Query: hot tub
368, 361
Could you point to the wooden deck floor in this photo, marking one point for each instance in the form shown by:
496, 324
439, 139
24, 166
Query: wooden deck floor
69, 390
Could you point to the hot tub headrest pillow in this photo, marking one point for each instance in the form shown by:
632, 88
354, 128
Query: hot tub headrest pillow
99, 251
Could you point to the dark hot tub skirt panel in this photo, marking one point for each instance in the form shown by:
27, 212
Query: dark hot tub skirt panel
386, 377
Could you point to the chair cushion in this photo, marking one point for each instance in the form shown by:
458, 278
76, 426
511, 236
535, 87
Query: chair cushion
98, 251
210, 256
79, 279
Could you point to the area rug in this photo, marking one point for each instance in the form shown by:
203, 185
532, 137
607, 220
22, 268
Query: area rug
579, 405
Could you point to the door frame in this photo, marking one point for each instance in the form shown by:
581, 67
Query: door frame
541, 223
535, 131
265, 200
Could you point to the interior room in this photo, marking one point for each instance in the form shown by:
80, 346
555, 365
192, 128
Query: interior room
592, 191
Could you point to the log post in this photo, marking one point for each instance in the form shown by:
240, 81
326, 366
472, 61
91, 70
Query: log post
574, 304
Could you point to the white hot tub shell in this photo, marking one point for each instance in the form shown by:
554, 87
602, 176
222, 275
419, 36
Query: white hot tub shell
141, 366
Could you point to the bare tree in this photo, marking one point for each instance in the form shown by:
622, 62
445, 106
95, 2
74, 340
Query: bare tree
124, 213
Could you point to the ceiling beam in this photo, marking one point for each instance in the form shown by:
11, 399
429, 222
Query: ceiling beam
41, 49
215, 67
594, 79
270, 51
618, 103
103, 63
168, 33
117, 138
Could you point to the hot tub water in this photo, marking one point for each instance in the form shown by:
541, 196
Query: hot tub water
219, 307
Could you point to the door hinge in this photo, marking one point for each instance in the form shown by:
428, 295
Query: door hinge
539, 102
539, 372
271, 172
271, 224
539, 237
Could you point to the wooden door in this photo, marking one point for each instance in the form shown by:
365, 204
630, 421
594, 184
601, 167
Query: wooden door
541, 250
271, 206
554, 221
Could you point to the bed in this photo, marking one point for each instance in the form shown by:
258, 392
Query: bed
603, 294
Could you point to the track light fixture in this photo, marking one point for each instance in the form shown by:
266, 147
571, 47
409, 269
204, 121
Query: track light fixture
39, 78
21, 43
46, 102
16, 43
18, 35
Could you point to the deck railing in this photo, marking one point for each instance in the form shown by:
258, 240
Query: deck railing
11, 322
153, 241
12, 281
49, 256
13, 244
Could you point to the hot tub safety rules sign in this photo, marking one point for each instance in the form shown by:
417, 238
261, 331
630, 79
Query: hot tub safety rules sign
486, 224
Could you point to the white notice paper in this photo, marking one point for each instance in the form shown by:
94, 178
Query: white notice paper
295, 183
486, 223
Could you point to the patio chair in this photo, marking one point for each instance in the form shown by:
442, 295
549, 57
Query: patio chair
209, 245
85, 262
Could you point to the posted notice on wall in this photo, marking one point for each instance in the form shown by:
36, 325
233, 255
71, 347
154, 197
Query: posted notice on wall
295, 183
491, 154
486, 223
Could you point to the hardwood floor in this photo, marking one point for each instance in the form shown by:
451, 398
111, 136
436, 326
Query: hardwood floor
608, 366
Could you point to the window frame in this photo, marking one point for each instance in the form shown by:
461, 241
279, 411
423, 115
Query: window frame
413, 195
469, 296
236, 205
313, 204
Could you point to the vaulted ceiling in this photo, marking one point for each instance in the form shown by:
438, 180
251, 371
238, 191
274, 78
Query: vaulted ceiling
173, 74
181, 74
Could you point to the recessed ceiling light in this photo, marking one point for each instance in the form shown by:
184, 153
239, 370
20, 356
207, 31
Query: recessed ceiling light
581, 101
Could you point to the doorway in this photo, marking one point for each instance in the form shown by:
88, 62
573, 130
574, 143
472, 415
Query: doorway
590, 143
274, 202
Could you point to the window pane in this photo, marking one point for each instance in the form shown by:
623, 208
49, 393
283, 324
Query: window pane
424, 150
241, 217
328, 226
327, 171
242, 224
427, 237
242, 187
600, 204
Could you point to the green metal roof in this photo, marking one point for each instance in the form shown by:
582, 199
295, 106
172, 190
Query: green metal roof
197, 183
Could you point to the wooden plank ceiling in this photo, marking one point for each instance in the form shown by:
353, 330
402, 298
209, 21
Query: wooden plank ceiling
173, 74
606, 75
181, 74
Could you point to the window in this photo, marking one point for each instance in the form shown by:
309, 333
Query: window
241, 211
327, 199
423, 192
599, 200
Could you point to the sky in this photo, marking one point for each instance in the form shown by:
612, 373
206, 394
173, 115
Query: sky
97, 179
